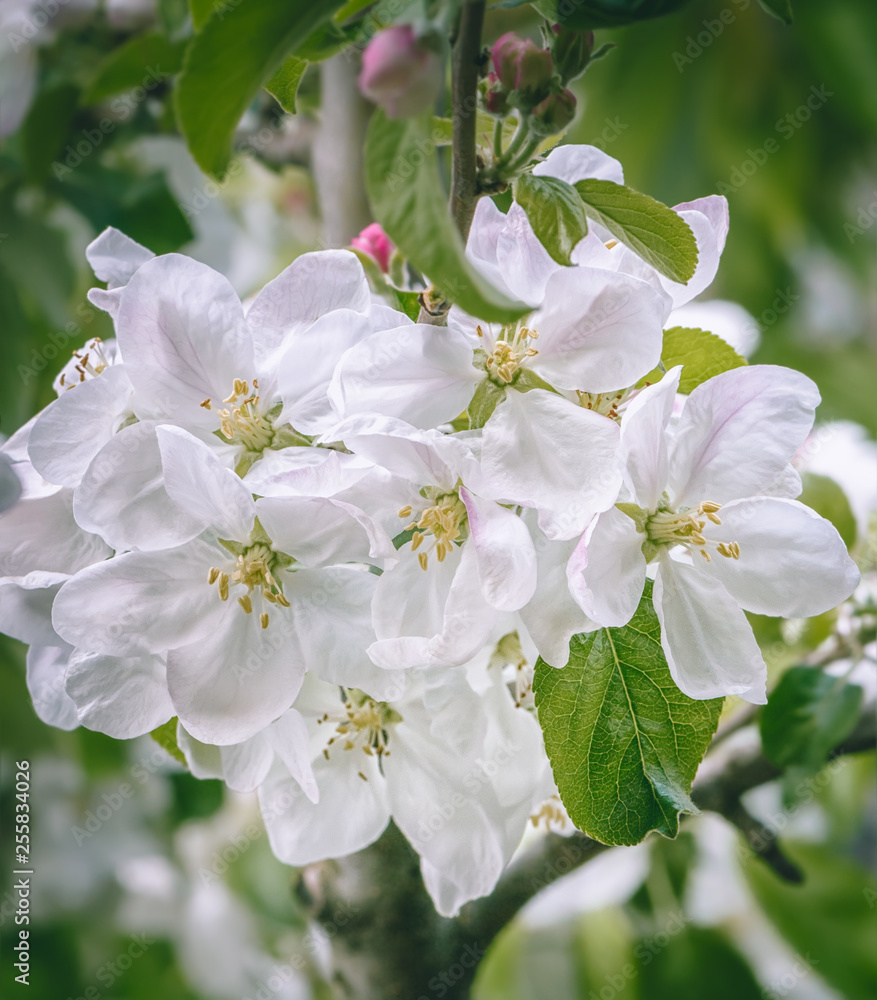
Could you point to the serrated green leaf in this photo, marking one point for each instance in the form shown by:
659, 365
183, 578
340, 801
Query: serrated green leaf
284, 84
781, 9
236, 51
828, 499
143, 60
166, 737
485, 400
701, 354
555, 212
807, 715
405, 190
655, 232
623, 740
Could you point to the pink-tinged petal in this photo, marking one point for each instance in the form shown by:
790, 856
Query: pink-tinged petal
792, 563
738, 432
319, 531
706, 638
543, 451
598, 330
504, 551
607, 570
644, 440
291, 741
577, 162
140, 602
350, 815
72, 430
708, 220
552, 617
122, 496
123, 697
236, 680
421, 374
41, 534
208, 493
26, 607
46, 666
183, 336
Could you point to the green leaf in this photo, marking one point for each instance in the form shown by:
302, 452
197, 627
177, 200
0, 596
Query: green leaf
166, 737
201, 11
655, 232
284, 84
555, 213
701, 354
583, 15
828, 499
405, 190
807, 715
781, 9
46, 127
236, 51
623, 740
172, 15
829, 919
141, 60
485, 400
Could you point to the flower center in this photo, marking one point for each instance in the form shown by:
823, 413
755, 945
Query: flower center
253, 570
552, 816
445, 520
87, 366
365, 724
604, 403
243, 422
510, 350
667, 527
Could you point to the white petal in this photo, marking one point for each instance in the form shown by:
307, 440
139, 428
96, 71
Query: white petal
319, 531
525, 264
10, 484
505, 553
291, 741
72, 430
543, 451
792, 563
468, 619
314, 284
706, 638
552, 617
421, 374
122, 495
26, 607
122, 697
411, 601
577, 162
246, 765
45, 682
607, 571
203, 759
183, 336
304, 471
708, 220
481, 246
644, 440
350, 815
208, 493
114, 257
40, 534
140, 602
598, 330
239, 678
738, 432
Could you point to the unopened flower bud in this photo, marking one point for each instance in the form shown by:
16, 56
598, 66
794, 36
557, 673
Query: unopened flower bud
401, 73
571, 51
496, 99
375, 242
522, 66
553, 114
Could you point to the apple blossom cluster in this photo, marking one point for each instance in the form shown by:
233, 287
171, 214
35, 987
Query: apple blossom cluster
274, 523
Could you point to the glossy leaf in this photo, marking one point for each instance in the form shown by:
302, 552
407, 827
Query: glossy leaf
828, 499
701, 354
555, 213
623, 740
284, 84
144, 60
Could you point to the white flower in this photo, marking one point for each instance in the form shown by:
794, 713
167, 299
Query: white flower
459, 780
468, 558
705, 507
241, 610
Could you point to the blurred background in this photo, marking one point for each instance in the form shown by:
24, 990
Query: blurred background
151, 883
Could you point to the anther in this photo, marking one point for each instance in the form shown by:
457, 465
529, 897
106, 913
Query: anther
263, 619
246, 603
223, 586
213, 575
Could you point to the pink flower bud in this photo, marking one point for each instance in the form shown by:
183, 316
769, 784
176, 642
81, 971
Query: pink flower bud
521, 65
401, 73
554, 113
375, 242
495, 98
